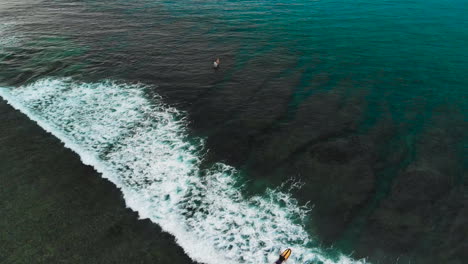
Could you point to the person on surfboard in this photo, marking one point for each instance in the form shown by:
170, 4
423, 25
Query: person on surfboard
216, 63
283, 256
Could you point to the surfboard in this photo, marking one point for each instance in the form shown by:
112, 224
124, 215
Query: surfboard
286, 254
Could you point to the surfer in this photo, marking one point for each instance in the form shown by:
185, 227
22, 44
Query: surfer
283, 256
216, 63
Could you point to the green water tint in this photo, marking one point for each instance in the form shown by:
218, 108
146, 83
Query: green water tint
414, 128
401, 63
401, 71
56, 49
49, 55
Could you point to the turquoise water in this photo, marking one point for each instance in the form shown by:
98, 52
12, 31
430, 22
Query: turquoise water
362, 103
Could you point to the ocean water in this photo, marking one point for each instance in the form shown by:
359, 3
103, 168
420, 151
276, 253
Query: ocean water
335, 128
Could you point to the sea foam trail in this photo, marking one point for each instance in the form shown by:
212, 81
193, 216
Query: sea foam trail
142, 146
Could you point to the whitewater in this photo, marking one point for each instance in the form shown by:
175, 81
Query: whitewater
127, 133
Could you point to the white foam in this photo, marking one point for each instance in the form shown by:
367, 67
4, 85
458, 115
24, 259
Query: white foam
142, 146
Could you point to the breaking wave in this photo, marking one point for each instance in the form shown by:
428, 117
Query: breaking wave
142, 145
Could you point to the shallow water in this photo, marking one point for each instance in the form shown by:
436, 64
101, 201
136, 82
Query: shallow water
363, 104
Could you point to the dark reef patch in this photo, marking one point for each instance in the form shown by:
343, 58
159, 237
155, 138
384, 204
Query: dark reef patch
54, 209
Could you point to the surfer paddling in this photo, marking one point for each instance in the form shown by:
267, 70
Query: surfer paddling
216, 63
283, 256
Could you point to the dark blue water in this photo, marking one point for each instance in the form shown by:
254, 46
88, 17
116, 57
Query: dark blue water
364, 103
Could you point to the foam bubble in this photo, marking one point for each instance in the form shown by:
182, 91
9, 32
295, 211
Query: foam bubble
142, 146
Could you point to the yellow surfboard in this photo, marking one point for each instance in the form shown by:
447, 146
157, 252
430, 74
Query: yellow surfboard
286, 254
